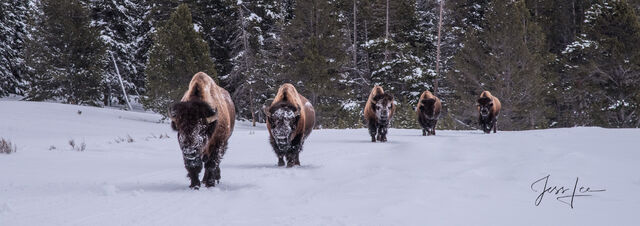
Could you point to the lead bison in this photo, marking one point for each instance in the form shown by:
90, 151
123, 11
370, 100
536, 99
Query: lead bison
378, 113
290, 119
489, 108
204, 120
428, 111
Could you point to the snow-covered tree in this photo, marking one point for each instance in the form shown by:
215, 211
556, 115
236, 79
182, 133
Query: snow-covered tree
602, 67
64, 55
505, 57
13, 21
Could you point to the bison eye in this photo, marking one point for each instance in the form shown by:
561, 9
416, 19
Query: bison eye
491, 104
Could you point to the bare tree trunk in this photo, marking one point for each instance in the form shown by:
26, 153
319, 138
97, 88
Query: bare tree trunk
253, 112
245, 46
366, 39
386, 35
282, 27
435, 82
124, 93
355, 40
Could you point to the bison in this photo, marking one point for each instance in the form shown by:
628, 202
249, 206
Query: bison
290, 119
489, 108
378, 112
204, 119
428, 111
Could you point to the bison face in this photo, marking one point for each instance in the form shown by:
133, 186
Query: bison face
428, 108
383, 107
484, 106
195, 122
283, 121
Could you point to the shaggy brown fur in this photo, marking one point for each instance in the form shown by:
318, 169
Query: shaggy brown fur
204, 119
378, 112
428, 111
290, 120
488, 109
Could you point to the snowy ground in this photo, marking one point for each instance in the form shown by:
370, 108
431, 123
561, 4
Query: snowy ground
455, 178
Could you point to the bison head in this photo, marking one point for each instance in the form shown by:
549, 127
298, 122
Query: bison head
195, 122
383, 107
427, 108
283, 119
484, 106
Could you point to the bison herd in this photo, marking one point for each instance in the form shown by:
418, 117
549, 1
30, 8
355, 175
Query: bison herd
205, 116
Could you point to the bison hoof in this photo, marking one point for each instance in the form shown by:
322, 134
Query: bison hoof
280, 162
195, 187
210, 184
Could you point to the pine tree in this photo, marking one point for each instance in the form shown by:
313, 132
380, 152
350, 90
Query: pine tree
177, 54
256, 49
13, 21
505, 57
64, 56
603, 68
315, 55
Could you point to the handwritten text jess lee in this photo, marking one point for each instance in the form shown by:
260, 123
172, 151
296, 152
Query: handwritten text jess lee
562, 193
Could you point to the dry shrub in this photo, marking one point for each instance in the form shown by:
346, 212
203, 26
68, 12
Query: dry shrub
7, 147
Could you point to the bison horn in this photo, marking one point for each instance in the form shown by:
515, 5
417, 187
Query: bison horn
172, 113
212, 118
266, 111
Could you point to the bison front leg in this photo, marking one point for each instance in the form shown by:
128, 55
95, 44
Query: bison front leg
211, 173
193, 166
495, 125
433, 128
372, 131
294, 152
212, 168
383, 133
291, 160
297, 159
280, 160
424, 132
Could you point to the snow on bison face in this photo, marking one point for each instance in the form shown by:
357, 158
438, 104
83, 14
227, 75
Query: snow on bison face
484, 106
283, 121
383, 107
194, 121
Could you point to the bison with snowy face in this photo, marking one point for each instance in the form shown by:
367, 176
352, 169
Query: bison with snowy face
428, 111
378, 113
290, 119
204, 120
489, 108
